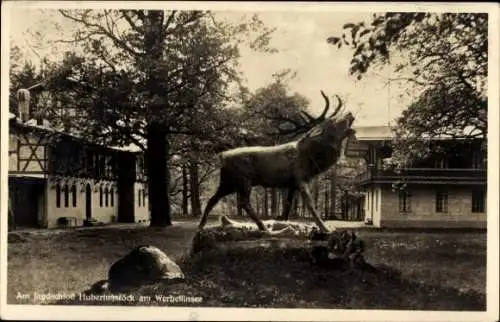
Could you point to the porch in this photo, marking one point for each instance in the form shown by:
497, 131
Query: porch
423, 176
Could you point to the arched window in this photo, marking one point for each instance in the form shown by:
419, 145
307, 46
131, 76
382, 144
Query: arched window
139, 196
100, 196
73, 194
106, 192
66, 196
112, 193
58, 195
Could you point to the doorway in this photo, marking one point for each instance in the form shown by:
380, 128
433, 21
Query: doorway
88, 202
26, 195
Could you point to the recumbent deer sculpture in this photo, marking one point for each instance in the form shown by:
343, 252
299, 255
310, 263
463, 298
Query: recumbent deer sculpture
287, 166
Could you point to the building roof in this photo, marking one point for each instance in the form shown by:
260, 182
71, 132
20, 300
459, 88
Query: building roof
128, 148
31, 123
385, 133
373, 133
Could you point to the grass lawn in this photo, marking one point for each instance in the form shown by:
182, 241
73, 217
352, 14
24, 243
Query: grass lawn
414, 270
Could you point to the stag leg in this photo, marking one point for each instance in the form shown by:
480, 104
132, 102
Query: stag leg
245, 204
288, 203
304, 190
223, 191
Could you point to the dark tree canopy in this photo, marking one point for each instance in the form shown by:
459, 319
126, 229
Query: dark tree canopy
273, 108
148, 75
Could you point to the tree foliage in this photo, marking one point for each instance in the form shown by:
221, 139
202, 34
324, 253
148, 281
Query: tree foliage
439, 112
442, 56
190, 75
272, 110
21, 76
148, 75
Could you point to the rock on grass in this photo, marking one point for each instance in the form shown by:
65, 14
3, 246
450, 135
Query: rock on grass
143, 265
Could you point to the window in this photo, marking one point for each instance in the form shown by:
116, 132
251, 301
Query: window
109, 166
73, 194
95, 163
478, 160
112, 195
376, 199
66, 196
478, 198
58, 195
441, 163
441, 201
404, 201
141, 196
106, 194
102, 165
100, 196
89, 162
368, 199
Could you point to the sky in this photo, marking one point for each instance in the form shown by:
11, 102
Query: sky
300, 39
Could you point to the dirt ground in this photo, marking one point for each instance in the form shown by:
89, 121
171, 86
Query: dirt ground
425, 270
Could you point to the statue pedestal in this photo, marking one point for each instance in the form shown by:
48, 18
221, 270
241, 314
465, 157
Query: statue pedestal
339, 246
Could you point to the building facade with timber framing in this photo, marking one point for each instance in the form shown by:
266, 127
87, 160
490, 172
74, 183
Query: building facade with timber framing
443, 190
59, 180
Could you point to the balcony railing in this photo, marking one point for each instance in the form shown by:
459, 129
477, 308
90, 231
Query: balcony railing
424, 175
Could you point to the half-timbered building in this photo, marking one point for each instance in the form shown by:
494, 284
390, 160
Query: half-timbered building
60, 180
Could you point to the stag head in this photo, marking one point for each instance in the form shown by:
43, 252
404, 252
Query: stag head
328, 135
332, 126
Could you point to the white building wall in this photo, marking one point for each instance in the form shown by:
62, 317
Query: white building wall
423, 209
105, 214
373, 205
141, 204
77, 214
377, 206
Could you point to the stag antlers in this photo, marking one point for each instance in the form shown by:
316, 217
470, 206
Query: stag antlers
309, 121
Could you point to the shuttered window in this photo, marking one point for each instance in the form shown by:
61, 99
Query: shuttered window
58, 196
478, 200
404, 201
441, 201
73, 194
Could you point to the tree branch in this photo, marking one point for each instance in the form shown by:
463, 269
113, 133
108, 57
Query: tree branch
78, 38
169, 21
195, 15
173, 185
203, 177
103, 31
130, 21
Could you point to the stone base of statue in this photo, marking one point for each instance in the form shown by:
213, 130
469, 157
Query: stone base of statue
339, 248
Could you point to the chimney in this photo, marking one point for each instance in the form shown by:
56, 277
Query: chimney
23, 99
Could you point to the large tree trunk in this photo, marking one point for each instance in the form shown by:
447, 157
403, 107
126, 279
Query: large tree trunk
185, 190
274, 203
344, 205
195, 189
279, 202
315, 192
333, 194
295, 205
256, 197
265, 213
326, 200
239, 209
157, 140
158, 177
